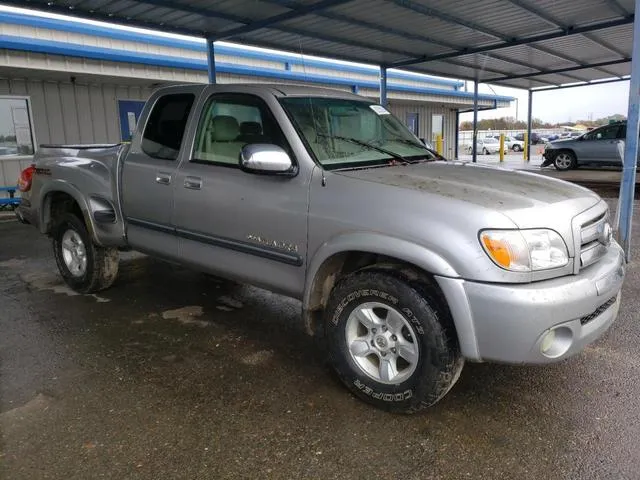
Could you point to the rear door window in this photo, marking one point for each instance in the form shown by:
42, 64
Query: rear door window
166, 126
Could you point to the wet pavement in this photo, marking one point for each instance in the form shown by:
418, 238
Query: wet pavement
175, 375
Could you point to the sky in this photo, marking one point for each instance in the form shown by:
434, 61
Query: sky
565, 105
570, 104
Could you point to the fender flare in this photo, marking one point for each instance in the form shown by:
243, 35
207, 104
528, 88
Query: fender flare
376, 243
68, 188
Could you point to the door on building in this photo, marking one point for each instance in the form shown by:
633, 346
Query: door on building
437, 126
129, 112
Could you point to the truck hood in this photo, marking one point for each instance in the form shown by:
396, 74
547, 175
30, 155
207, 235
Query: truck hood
522, 196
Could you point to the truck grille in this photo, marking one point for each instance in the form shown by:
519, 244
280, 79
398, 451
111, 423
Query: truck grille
595, 237
598, 311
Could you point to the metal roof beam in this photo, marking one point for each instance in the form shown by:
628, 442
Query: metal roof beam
615, 5
524, 5
271, 21
516, 42
520, 3
559, 71
586, 84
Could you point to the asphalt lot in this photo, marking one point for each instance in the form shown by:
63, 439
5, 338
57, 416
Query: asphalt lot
171, 374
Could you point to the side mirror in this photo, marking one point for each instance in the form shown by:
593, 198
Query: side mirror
266, 159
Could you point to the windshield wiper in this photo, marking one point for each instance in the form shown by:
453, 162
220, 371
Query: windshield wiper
394, 155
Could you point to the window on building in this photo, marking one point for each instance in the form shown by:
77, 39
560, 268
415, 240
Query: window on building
230, 122
16, 133
413, 123
166, 125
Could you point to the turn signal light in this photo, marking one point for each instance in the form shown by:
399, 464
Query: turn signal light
26, 176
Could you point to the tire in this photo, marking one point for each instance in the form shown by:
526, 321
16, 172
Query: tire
470, 150
565, 160
419, 324
485, 151
89, 268
516, 148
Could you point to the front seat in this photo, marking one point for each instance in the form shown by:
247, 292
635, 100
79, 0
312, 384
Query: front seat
224, 145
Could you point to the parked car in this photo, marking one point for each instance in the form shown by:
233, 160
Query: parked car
534, 140
512, 143
597, 147
488, 146
407, 265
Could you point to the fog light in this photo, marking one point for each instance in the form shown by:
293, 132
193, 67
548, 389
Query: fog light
547, 341
556, 342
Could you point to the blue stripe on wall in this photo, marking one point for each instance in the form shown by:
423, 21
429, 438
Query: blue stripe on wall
108, 54
103, 31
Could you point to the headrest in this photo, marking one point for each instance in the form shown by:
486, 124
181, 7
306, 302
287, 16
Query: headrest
225, 128
250, 128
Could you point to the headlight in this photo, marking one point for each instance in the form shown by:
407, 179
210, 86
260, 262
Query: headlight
525, 250
548, 145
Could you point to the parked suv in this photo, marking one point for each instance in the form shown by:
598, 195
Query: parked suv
597, 147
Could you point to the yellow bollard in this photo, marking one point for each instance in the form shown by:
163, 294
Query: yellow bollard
439, 148
525, 150
502, 147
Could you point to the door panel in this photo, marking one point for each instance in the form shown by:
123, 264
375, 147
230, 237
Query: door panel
600, 145
148, 177
249, 227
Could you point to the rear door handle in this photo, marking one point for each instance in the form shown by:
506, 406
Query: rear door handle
194, 183
163, 178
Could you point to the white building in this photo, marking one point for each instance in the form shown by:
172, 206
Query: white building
68, 81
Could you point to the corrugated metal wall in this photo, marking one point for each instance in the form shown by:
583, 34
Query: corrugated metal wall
68, 113
425, 113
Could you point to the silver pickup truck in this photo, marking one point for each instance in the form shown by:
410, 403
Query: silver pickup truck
406, 265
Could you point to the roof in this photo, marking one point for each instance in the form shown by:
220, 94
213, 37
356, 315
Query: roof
515, 43
92, 41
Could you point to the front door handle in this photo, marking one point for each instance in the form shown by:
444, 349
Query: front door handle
193, 183
163, 178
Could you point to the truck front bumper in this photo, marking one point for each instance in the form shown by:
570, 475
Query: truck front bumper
540, 322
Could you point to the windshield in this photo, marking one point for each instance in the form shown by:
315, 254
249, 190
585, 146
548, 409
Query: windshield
490, 140
345, 133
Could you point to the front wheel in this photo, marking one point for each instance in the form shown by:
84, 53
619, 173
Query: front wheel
84, 266
517, 148
565, 161
485, 151
391, 343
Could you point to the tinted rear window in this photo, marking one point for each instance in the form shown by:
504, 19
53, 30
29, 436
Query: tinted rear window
166, 125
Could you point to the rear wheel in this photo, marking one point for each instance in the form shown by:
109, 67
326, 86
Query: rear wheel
485, 151
391, 343
565, 160
84, 266
517, 148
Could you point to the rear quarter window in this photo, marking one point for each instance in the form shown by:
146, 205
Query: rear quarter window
165, 128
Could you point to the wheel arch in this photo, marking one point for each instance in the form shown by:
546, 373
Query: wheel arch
353, 252
61, 197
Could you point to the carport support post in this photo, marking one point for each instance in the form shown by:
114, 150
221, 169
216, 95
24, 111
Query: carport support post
211, 61
529, 124
383, 86
474, 140
628, 184
455, 152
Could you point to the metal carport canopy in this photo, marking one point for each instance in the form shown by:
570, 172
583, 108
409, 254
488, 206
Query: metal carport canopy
515, 43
